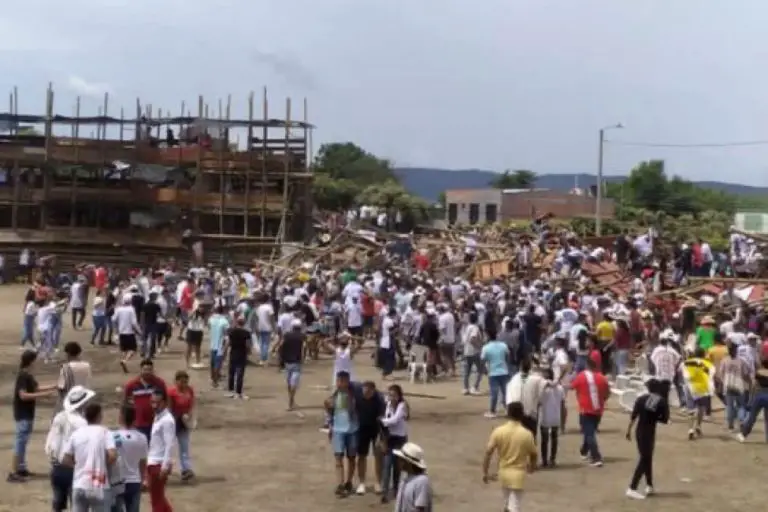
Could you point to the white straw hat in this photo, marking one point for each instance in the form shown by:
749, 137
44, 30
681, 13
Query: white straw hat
411, 452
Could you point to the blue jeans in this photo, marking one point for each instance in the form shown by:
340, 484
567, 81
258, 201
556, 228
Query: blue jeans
264, 339
184, 457
129, 500
469, 362
498, 385
23, 433
99, 328
589, 424
28, 332
581, 363
61, 485
735, 408
293, 374
81, 502
759, 403
390, 470
621, 360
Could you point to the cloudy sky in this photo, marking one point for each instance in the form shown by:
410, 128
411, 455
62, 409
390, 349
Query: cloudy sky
488, 84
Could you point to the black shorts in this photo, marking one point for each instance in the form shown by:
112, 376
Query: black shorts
356, 331
368, 321
366, 438
128, 343
195, 338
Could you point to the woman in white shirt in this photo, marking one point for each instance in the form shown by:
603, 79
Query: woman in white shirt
387, 352
30, 313
194, 337
394, 436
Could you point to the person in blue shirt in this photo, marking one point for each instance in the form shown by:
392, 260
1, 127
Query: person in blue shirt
495, 354
218, 325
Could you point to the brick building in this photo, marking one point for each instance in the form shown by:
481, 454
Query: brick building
478, 206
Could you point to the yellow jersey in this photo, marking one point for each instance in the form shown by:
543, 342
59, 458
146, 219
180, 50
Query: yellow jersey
605, 331
516, 450
699, 375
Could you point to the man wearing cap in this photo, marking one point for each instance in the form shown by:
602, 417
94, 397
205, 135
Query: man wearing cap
62, 427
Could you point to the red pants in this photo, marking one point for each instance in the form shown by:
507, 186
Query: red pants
156, 484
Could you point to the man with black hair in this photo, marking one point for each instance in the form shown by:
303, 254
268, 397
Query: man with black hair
138, 392
517, 456
25, 395
90, 450
132, 449
649, 410
160, 454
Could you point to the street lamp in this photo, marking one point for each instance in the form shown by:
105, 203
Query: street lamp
599, 198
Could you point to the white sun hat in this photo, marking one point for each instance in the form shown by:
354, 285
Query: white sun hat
411, 452
77, 397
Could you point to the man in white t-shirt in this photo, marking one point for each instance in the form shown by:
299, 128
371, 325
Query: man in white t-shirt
90, 450
64, 424
265, 320
446, 324
132, 449
353, 312
387, 351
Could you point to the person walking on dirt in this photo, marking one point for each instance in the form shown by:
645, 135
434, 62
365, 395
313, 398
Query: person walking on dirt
649, 410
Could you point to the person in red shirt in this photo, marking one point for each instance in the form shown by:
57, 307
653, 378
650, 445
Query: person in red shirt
592, 391
181, 403
421, 261
100, 278
595, 356
138, 392
186, 303
366, 301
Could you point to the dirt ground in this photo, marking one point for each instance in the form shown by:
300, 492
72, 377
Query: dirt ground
256, 455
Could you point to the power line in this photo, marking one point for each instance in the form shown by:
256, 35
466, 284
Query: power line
698, 145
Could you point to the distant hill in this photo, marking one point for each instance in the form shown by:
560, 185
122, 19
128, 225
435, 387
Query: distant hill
428, 182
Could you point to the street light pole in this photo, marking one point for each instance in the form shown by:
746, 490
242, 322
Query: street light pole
599, 191
599, 198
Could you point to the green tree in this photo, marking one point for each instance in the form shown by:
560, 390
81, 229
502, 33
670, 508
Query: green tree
348, 161
334, 194
514, 179
393, 198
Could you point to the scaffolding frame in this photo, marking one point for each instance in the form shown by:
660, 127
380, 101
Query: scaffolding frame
264, 162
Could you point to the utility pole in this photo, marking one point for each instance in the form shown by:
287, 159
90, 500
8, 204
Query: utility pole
599, 188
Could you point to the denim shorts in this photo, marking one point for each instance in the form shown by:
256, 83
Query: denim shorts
216, 359
292, 374
344, 444
23, 433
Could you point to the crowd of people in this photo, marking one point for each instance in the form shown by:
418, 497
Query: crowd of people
532, 341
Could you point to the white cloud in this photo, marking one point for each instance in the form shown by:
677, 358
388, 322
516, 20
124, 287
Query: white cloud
83, 87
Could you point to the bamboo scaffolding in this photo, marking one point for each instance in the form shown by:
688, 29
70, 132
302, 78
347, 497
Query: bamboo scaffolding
247, 211
264, 137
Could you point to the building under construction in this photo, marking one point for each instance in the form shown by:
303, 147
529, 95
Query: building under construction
150, 184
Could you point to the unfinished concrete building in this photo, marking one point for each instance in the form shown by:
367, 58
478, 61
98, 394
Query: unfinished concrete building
110, 188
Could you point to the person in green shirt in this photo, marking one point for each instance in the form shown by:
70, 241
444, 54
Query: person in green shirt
705, 333
348, 275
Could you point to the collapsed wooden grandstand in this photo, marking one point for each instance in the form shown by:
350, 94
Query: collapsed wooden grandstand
152, 184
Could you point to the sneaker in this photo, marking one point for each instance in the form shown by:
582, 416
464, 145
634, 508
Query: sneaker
691, 435
596, 464
741, 437
24, 473
633, 494
699, 433
490, 415
585, 458
377, 488
360, 489
340, 490
649, 491
474, 392
243, 397
15, 478
325, 430
348, 488
231, 395
188, 475
465, 392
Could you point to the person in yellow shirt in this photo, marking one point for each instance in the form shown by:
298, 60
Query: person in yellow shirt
605, 330
718, 351
699, 376
517, 456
